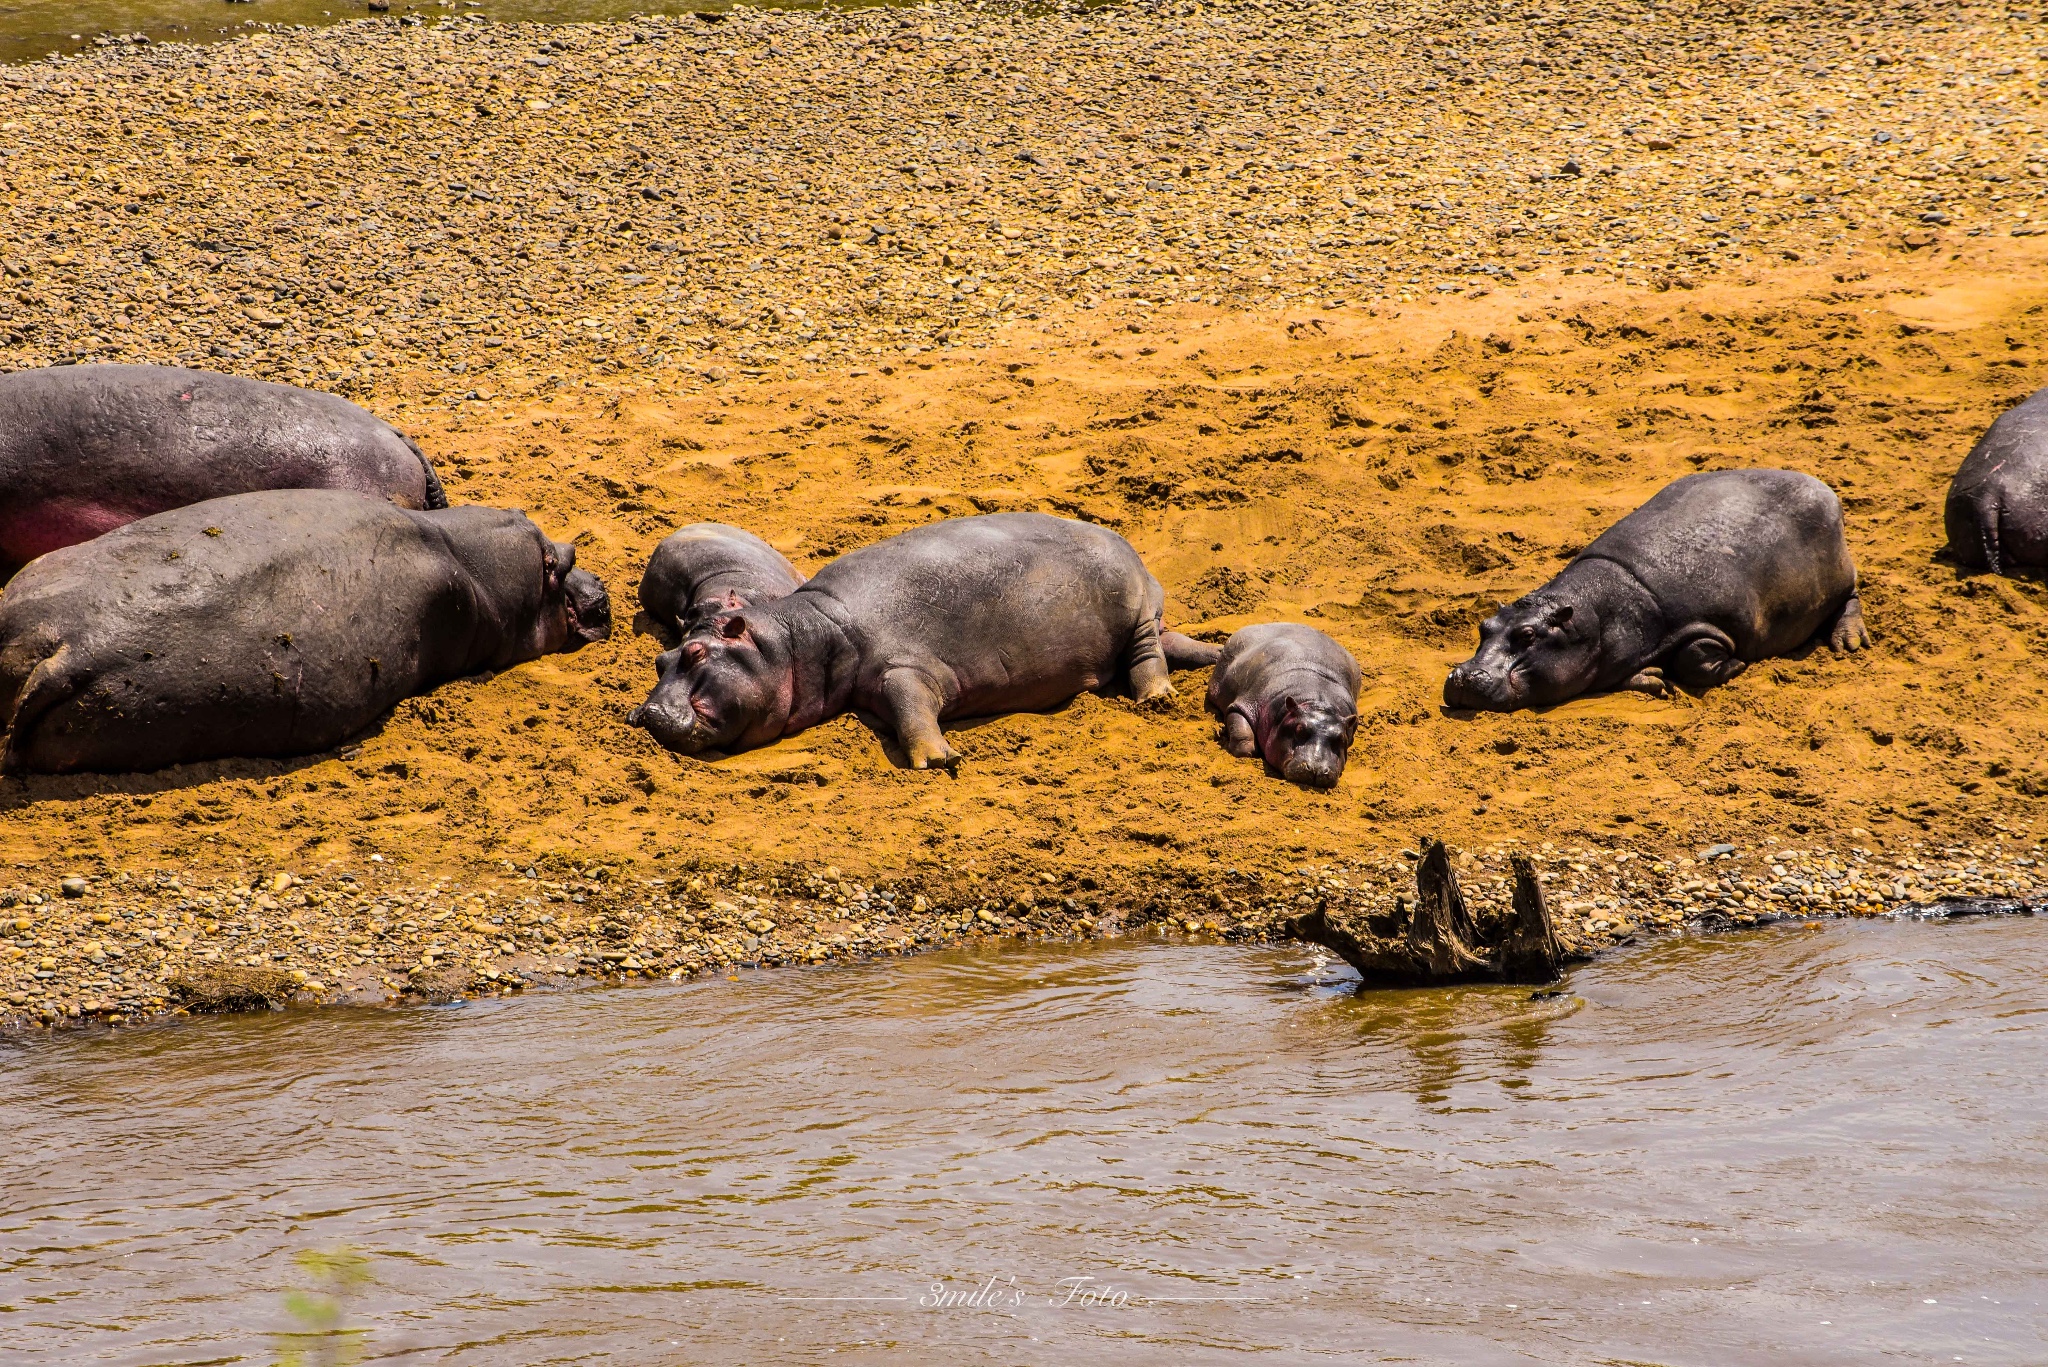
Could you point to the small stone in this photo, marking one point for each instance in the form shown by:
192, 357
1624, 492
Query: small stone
72, 887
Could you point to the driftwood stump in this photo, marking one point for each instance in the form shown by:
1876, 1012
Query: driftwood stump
1442, 942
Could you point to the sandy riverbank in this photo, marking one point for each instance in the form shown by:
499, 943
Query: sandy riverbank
1323, 341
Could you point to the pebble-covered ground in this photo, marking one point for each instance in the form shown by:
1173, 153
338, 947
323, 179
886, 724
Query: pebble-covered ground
129, 947
779, 188
1365, 314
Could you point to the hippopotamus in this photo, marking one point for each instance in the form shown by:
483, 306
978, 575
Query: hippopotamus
1287, 694
1715, 572
709, 566
270, 624
966, 617
85, 449
1997, 510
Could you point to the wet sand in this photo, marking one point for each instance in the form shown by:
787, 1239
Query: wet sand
1324, 342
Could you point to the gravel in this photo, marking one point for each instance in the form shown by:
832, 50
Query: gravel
803, 190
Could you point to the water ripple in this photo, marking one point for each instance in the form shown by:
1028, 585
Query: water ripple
1812, 1145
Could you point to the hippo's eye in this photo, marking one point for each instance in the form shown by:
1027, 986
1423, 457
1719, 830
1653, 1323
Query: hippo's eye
1522, 637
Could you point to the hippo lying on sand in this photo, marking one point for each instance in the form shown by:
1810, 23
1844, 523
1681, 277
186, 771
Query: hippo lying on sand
1287, 694
710, 567
970, 617
84, 449
269, 624
1716, 571
1997, 511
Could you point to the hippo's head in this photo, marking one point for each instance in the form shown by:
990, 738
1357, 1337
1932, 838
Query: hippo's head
1534, 652
577, 610
718, 690
1308, 742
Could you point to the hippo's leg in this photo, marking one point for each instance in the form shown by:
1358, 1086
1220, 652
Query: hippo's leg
914, 711
1145, 662
1849, 633
1705, 657
1185, 652
1238, 737
1650, 681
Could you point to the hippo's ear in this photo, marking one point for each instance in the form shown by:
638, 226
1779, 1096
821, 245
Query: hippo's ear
733, 601
732, 627
1558, 615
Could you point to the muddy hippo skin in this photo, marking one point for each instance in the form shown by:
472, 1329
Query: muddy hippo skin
85, 449
1289, 695
709, 567
270, 624
1997, 511
964, 618
1718, 570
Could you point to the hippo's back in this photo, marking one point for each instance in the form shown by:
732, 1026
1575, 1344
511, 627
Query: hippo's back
1757, 553
955, 568
708, 559
1024, 609
84, 449
1997, 508
1276, 647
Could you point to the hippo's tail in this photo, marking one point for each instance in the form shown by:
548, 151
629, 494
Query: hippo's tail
437, 497
1185, 652
1987, 530
47, 686
1973, 517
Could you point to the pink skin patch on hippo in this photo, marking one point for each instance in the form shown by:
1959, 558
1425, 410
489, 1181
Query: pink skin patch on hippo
29, 532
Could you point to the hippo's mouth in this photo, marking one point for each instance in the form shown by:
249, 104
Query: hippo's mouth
1466, 690
588, 606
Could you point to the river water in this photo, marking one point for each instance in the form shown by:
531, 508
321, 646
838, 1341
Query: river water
1813, 1145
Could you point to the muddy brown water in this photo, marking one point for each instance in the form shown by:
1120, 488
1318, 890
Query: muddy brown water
1811, 1145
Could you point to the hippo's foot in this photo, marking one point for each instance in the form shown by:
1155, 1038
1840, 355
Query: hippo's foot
1238, 737
1650, 681
924, 755
1849, 633
1155, 695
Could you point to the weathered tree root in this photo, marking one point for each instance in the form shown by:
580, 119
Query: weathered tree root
1442, 942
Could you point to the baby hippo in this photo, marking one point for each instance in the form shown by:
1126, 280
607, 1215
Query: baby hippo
1997, 511
1716, 571
710, 567
1289, 695
270, 624
968, 617
86, 448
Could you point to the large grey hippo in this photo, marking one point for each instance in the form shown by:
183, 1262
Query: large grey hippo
708, 567
1715, 572
84, 449
1997, 509
969, 617
270, 624
1287, 694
